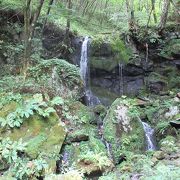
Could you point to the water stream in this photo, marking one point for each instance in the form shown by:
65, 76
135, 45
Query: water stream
121, 84
149, 134
90, 98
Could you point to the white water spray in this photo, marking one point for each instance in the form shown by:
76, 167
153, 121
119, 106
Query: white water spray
121, 84
149, 132
84, 61
91, 100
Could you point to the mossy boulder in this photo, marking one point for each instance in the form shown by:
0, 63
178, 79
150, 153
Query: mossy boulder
88, 156
42, 135
122, 128
70, 175
59, 76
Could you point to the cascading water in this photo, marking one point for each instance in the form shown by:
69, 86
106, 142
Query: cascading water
84, 61
90, 99
121, 85
149, 133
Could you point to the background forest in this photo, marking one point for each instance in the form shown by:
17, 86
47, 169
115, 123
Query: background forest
89, 89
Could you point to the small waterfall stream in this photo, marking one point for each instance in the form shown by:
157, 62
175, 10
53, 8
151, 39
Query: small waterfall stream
121, 84
149, 133
84, 61
90, 99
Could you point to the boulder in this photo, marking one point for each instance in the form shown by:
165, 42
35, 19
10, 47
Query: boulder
121, 131
42, 135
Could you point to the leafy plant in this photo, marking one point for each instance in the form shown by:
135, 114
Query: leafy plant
9, 150
162, 126
28, 108
98, 160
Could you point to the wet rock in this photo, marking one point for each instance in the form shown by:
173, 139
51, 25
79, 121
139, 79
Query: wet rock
159, 155
77, 136
177, 63
133, 87
173, 111
132, 70
175, 124
178, 95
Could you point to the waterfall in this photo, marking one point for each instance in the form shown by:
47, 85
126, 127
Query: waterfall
84, 61
90, 99
121, 84
149, 133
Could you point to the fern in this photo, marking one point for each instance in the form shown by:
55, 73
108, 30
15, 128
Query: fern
27, 109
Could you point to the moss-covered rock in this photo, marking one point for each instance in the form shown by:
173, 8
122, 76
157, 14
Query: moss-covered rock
58, 75
88, 156
42, 135
122, 131
72, 174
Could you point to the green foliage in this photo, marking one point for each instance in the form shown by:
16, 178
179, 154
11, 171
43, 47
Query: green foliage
9, 97
69, 74
99, 160
9, 150
27, 108
168, 144
162, 127
27, 169
21, 168
68, 175
12, 51
123, 53
57, 101
170, 48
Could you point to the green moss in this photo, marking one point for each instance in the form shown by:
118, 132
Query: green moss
4, 111
129, 138
68, 73
155, 77
34, 145
107, 64
83, 113
42, 135
123, 53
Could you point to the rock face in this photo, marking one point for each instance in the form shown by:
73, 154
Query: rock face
120, 127
107, 72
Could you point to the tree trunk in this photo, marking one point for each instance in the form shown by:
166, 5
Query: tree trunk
27, 44
130, 13
154, 11
48, 12
164, 15
68, 24
29, 29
